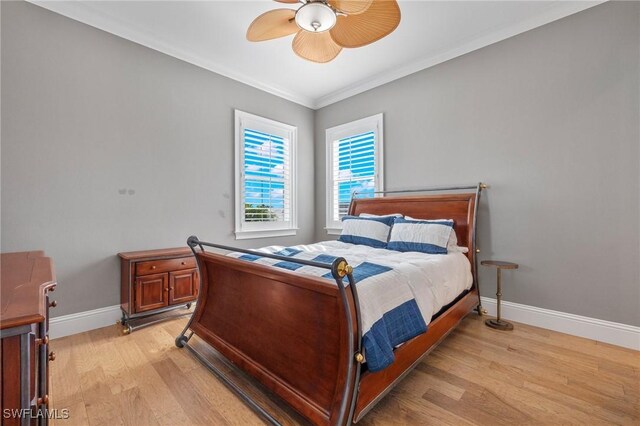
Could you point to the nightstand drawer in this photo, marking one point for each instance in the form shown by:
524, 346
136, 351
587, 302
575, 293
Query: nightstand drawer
166, 265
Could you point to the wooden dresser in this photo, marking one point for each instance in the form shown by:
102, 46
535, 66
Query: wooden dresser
156, 281
27, 278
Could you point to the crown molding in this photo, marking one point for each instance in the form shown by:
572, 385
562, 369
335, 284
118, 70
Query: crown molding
553, 13
86, 14
83, 12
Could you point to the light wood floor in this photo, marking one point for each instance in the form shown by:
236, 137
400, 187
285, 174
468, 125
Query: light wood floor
476, 376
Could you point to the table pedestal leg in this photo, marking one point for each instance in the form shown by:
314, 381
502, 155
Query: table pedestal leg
498, 323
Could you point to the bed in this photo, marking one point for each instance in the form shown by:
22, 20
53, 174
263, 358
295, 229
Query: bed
300, 333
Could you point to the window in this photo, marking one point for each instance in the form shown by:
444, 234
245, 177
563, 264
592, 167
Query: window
265, 177
354, 164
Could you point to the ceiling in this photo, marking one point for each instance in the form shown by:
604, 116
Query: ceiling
211, 34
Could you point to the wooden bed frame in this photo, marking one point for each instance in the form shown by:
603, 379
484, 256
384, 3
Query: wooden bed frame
299, 335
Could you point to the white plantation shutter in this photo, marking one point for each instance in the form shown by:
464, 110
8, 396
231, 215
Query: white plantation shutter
354, 163
266, 193
265, 187
354, 169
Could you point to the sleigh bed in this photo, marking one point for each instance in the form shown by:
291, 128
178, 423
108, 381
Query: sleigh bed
300, 335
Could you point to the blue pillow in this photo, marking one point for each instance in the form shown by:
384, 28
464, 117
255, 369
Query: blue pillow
368, 231
425, 236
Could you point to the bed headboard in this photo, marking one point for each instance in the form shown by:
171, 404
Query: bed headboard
460, 207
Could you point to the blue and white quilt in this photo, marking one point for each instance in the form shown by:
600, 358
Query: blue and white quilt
398, 292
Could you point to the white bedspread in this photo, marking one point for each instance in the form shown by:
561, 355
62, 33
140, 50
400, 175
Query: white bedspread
436, 279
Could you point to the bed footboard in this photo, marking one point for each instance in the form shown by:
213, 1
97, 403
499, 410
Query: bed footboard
294, 333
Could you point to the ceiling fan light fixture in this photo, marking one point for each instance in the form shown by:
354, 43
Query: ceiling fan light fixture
323, 28
315, 16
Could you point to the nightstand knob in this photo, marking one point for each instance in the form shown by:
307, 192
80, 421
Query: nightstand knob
183, 263
171, 288
53, 304
44, 400
52, 356
153, 267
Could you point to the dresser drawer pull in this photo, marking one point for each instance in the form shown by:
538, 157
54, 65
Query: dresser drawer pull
52, 356
42, 341
153, 267
44, 400
53, 304
183, 263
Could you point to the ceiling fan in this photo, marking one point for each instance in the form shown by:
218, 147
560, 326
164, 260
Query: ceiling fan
324, 27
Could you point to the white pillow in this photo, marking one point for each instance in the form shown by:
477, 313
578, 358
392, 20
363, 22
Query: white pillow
452, 245
368, 231
420, 236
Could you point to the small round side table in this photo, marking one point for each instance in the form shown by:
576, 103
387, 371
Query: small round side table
498, 323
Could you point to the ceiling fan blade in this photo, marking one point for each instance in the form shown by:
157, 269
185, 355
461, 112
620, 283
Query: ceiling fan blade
315, 47
287, 1
273, 24
379, 20
351, 7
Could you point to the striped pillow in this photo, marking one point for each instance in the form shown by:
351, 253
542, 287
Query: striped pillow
426, 236
452, 246
368, 231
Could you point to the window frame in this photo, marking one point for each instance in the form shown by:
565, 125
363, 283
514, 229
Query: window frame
248, 230
374, 123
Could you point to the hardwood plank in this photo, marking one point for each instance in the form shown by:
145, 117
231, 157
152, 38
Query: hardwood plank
152, 388
195, 405
222, 399
567, 341
540, 407
174, 418
419, 383
77, 415
477, 376
64, 373
403, 408
134, 410
112, 364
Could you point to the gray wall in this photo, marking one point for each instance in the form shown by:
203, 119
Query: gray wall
550, 119
87, 114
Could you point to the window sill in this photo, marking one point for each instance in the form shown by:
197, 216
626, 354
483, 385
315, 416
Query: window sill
333, 231
247, 235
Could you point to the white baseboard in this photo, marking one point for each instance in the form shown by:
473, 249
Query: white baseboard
67, 325
615, 333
